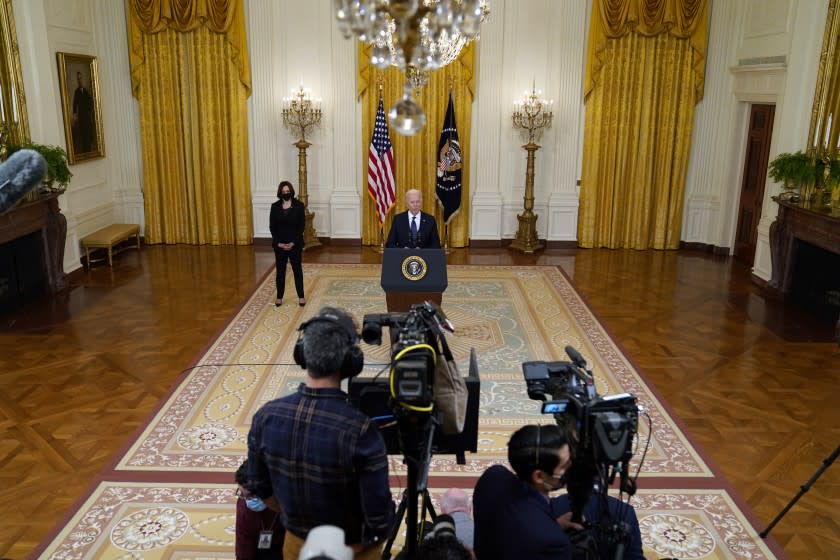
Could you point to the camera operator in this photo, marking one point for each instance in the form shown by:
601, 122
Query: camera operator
323, 460
456, 503
513, 517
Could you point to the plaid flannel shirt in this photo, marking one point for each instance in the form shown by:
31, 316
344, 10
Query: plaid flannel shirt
324, 462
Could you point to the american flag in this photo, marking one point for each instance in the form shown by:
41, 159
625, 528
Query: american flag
381, 166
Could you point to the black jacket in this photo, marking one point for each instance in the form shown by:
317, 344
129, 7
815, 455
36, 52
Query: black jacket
287, 226
400, 234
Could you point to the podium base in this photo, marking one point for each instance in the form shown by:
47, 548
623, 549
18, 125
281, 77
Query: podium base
402, 301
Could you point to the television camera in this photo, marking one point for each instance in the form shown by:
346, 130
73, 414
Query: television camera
601, 431
414, 351
408, 399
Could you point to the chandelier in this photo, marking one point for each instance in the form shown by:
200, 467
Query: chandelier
416, 36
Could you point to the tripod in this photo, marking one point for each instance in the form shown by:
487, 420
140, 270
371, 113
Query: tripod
416, 441
802, 489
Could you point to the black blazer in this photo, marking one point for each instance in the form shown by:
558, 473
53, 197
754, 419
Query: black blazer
512, 520
288, 226
400, 234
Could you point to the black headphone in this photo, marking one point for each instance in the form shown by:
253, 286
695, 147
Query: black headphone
354, 359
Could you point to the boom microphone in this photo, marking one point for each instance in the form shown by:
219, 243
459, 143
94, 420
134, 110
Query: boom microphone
576, 357
22, 172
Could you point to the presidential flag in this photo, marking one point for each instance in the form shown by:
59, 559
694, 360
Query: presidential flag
449, 163
381, 166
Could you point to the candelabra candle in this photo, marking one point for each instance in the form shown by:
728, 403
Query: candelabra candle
532, 114
301, 112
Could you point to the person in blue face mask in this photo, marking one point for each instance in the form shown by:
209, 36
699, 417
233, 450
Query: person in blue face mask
513, 516
259, 529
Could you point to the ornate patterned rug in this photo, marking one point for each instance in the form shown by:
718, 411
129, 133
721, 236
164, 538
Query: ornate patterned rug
171, 494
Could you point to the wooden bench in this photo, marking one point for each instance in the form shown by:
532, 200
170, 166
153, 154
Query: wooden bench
110, 238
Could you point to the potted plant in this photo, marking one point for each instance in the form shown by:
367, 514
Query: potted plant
58, 171
792, 170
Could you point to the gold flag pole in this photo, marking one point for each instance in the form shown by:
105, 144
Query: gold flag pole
381, 248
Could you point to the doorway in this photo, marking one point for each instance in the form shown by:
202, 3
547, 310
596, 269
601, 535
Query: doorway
755, 175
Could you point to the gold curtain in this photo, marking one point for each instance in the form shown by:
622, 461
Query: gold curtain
190, 75
415, 157
644, 75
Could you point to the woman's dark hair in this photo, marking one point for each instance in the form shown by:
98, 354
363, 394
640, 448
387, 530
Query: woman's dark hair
285, 184
535, 447
241, 475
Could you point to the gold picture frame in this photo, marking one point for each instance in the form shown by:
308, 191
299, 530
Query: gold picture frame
78, 78
822, 139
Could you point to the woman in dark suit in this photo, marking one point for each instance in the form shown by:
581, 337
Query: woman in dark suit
286, 222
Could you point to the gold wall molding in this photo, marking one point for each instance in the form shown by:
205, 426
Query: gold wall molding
827, 92
13, 112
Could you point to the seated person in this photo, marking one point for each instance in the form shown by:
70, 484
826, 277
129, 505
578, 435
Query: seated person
618, 511
259, 530
456, 503
413, 228
513, 517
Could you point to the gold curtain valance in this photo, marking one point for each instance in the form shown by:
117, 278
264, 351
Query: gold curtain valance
684, 19
147, 17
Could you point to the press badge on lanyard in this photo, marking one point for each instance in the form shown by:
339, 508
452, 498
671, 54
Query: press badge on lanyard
264, 541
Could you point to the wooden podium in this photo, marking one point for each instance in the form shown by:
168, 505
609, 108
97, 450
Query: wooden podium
411, 276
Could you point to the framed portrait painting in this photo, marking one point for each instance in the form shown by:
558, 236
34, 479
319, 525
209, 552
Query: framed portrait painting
78, 78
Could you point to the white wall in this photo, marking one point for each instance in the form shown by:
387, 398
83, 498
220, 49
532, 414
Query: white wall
102, 191
759, 50
538, 42
292, 42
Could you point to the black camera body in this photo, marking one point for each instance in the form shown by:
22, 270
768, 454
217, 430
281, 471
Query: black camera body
602, 427
414, 349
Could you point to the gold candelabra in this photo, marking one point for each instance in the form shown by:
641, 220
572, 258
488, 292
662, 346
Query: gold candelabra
531, 115
300, 114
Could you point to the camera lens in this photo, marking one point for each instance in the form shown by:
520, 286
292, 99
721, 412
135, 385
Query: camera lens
372, 333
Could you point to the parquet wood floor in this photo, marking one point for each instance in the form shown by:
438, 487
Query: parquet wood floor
752, 381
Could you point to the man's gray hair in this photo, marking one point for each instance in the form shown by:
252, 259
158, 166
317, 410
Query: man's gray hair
455, 499
325, 343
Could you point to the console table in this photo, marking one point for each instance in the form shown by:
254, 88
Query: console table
42, 215
816, 224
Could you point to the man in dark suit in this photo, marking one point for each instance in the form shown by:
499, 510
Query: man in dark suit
513, 517
413, 228
83, 117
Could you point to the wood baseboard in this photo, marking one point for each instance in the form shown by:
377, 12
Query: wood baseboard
338, 242
489, 243
705, 248
563, 245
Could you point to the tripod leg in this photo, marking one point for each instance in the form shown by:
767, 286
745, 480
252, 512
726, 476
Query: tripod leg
428, 505
802, 489
386, 552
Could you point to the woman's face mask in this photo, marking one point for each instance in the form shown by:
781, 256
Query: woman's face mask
286, 196
254, 503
